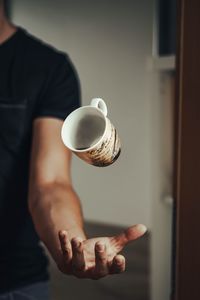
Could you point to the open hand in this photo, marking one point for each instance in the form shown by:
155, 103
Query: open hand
97, 257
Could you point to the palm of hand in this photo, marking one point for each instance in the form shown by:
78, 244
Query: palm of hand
96, 257
111, 246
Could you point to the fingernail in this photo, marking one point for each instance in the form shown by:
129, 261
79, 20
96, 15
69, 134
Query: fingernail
76, 243
142, 228
62, 233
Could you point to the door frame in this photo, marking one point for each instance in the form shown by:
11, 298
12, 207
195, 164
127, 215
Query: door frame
187, 153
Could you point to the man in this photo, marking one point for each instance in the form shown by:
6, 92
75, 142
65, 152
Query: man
38, 88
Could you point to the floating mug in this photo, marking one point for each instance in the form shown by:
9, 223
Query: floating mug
90, 135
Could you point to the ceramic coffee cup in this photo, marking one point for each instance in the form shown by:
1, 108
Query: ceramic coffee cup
90, 135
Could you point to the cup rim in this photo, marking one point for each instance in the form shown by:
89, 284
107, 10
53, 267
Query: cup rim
93, 146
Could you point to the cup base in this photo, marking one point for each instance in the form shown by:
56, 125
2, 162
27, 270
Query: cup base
106, 164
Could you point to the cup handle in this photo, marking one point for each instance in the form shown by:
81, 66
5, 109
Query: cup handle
100, 104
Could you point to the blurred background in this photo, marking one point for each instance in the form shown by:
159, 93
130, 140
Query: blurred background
124, 53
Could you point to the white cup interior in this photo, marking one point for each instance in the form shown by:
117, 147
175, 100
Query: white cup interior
83, 128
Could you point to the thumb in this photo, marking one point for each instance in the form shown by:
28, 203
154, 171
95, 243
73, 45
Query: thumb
130, 234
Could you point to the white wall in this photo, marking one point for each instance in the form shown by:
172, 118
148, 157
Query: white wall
108, 42
162, 85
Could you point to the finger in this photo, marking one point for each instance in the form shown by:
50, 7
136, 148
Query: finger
78, 260
101, 266
65, 245
130, 234
118, 264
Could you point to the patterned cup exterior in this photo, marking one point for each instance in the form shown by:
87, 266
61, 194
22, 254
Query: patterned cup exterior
106, 152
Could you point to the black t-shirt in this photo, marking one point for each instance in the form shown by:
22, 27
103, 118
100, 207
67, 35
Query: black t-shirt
35, 81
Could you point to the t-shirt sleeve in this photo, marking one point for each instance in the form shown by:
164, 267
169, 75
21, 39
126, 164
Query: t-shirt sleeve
62, 91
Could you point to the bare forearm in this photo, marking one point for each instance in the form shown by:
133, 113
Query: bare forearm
55, 207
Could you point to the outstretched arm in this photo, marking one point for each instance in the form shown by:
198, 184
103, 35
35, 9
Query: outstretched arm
53, 203
57, 215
